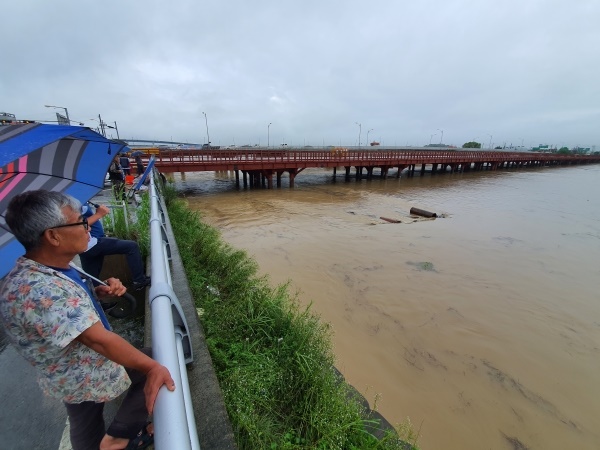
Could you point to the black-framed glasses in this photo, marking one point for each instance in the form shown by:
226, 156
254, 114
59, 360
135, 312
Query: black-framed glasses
83, 222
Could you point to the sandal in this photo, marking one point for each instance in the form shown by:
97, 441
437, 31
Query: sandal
142, 440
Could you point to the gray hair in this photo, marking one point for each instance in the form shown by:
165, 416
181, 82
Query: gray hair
30, 213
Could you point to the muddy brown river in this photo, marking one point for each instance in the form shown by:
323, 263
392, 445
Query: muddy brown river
482, 326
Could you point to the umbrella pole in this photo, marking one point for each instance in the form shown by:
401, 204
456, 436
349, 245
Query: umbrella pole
126, 295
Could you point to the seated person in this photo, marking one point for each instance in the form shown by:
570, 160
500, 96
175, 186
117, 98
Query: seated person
100, 246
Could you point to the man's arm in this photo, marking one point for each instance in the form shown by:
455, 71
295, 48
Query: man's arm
117, 349
101, 211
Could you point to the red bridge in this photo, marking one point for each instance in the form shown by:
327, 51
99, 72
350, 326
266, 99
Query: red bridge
261, 164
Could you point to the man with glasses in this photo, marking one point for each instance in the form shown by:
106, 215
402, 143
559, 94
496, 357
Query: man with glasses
54, 321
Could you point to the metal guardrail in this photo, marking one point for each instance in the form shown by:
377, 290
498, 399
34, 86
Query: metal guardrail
174, 424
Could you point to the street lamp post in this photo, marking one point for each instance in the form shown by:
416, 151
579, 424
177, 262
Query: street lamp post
442, 136
268, 134
206, 122
359, 132
61, 107
490, 144
431, 137
368, 135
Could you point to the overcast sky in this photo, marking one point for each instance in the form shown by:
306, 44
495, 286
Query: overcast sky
502, 72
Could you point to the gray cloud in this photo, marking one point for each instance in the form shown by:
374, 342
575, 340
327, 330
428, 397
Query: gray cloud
518, 71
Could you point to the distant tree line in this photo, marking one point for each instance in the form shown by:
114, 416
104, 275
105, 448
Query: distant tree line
542, 148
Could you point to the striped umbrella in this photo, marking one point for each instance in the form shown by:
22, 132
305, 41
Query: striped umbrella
73, 160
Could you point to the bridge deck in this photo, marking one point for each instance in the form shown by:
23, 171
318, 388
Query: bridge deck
186, 160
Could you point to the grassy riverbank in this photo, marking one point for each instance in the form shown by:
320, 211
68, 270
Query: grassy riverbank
273, 359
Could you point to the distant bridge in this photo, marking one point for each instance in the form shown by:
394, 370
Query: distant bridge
259, 165
145, 142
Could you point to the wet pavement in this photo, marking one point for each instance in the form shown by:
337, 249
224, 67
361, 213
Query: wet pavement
29, 420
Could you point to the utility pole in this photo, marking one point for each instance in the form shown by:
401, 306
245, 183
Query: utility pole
101, 126
117, 130
359, 132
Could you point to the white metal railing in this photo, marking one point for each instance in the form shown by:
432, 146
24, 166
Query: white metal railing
174, 424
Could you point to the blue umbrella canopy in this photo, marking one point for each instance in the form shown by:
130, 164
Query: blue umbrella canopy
73, 160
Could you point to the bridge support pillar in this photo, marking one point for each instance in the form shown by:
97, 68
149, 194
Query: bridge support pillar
347, 172
269, 176
358, 172
293, 173
369, 172
279, 172
384, 172
422, 172
245, 178
237, 179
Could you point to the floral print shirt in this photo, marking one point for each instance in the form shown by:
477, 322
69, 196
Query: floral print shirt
43, 311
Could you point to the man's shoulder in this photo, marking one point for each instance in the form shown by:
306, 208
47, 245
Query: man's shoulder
23, 267
29, 272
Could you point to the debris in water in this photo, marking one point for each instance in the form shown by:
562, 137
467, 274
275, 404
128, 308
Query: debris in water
422, 212
387, 219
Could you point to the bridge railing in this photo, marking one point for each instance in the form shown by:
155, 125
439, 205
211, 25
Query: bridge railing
174, 424
208, 156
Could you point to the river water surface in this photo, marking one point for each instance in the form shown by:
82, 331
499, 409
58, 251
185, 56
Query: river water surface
482, 326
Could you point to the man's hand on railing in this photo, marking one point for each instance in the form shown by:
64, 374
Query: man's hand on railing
156, 377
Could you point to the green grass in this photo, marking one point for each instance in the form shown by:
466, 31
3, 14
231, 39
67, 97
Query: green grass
273, 358
136, 229
114, 223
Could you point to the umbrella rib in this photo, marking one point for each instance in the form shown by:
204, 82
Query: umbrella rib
51, 176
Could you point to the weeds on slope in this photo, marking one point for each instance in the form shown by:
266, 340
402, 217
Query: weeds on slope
273, 359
